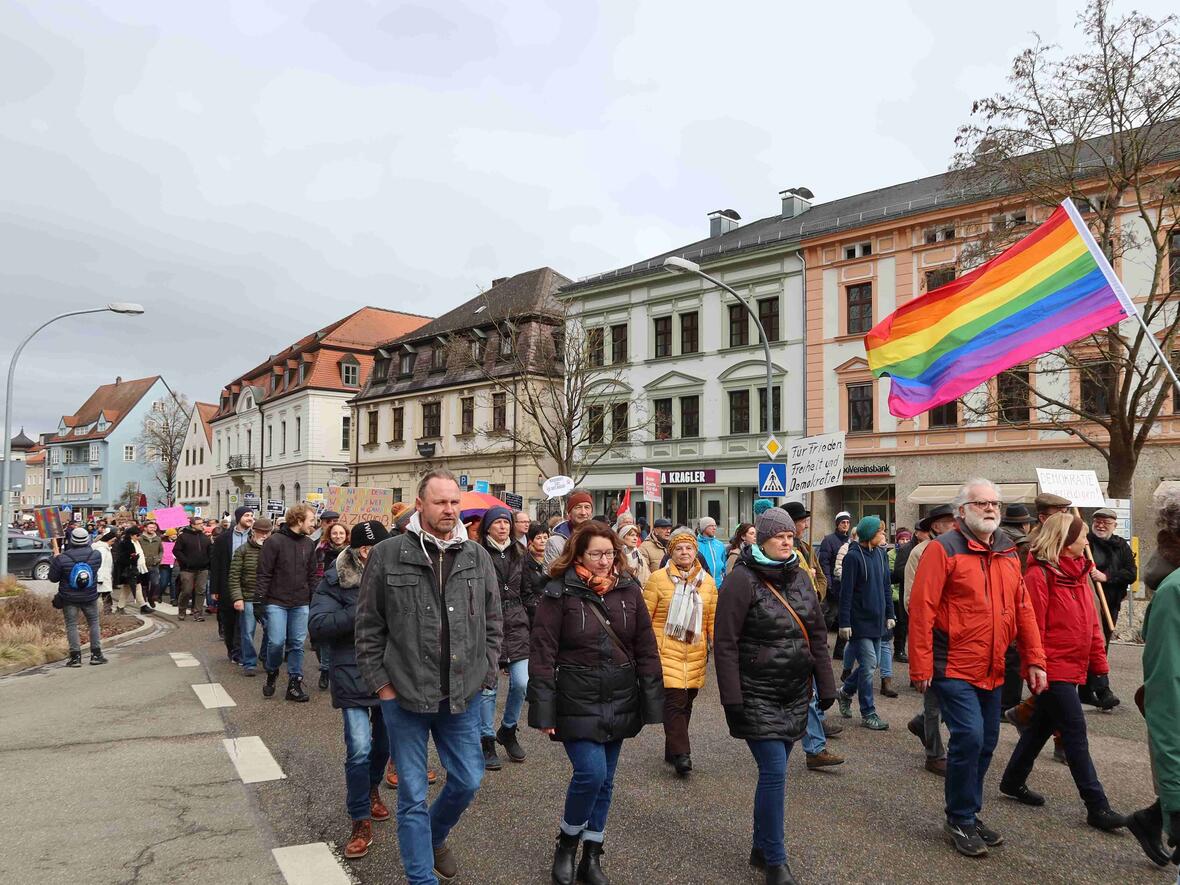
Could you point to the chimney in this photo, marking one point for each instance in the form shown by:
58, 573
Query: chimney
722, 221
498, 280
796, 201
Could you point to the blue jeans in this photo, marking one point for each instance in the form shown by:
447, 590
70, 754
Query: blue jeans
247, 624
973, 717
866, 652
770, 798
456, 736
587, 801
323, 654
814, 740
285, 627
886, 657
366, 749
167, 584
518, 681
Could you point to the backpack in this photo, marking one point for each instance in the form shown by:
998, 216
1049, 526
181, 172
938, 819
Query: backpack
81, 577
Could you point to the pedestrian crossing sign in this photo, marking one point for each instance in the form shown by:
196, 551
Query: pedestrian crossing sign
772, 479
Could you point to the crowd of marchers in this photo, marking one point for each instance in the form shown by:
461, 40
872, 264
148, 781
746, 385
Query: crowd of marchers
603, 626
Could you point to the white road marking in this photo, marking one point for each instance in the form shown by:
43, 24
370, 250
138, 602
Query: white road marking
252, 760
213, 695
166, 608
184, 659
311, 864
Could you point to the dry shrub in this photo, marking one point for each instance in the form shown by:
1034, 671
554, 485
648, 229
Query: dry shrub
10, 586
30, 608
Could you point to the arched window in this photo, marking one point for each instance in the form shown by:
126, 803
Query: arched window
283, 492
218, 496
268, 493
298, 494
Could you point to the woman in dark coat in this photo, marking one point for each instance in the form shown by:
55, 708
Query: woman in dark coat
769, 642
595, 679
495, 533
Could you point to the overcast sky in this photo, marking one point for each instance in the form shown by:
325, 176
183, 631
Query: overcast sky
252, 171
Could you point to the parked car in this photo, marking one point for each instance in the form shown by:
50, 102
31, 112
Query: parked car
29, 557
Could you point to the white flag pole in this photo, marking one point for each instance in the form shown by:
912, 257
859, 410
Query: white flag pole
1116, 284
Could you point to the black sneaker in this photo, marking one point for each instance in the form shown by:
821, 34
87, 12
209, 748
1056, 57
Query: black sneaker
989, 836
323, 680
965, 839
1105, 699
75, 659
97, 657
1106, 820
145, 609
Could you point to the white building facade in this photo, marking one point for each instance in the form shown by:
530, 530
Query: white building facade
194, 473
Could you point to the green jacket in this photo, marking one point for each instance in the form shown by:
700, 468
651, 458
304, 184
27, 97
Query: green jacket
153, 550
243, 571
1161, 690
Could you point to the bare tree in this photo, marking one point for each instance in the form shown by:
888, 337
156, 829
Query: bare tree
1099, 126
161, 439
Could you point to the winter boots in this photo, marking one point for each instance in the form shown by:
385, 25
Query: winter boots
506, 737
97, 657
491, 762
75, 659
360, 839
564, 857
295, 690
590, 866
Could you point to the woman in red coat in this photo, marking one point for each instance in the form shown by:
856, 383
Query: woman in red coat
1059, 588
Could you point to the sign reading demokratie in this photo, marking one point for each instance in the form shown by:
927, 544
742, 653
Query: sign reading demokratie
814, 463
1079, 486
358, 504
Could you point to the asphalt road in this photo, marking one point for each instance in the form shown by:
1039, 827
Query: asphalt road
876, 819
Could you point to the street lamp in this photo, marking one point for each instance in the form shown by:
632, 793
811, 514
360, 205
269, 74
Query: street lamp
123, 307
683, 265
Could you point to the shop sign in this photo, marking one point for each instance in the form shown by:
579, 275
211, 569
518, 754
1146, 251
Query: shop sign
861, 470
682, 477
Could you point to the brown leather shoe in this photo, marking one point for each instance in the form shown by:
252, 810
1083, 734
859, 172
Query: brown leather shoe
377, 808
445, 866
360, 840
825, 758
391, 775
936, 766
887, 688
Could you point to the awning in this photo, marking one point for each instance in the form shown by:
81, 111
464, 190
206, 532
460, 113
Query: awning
1011, 492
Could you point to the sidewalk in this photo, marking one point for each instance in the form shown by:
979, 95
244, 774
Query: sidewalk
118, 774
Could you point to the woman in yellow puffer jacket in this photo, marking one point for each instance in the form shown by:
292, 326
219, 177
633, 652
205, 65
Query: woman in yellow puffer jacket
682, 600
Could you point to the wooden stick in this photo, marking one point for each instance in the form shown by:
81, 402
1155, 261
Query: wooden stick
1094, 584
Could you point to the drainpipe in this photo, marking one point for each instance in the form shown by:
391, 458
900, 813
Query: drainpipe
261, 450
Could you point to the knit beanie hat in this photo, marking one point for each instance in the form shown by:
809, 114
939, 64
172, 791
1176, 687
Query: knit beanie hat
368, 533
843, 514
1075, 530
706, 522
761, 506
79, 537
867, 528
578, 498
680, 535
771, 522
238, 513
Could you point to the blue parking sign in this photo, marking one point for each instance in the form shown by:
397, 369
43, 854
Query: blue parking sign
772, 479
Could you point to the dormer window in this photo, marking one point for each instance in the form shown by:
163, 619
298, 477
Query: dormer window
302, 372
405, 366
507, 346
350, 371
438, 358
858, 250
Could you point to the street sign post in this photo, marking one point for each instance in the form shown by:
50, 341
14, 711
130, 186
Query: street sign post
464, 482
772, 479
772, 446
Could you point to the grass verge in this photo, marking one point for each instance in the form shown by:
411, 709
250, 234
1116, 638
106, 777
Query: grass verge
33, 632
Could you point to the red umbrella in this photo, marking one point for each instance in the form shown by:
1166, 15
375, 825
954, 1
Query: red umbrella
476, 504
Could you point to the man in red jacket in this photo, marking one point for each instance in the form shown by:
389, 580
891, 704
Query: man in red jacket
967, 604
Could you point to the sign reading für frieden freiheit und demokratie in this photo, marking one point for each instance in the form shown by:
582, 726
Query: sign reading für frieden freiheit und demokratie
814, 463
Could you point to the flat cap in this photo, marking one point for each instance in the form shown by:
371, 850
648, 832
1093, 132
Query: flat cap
1106, 513
1045, 501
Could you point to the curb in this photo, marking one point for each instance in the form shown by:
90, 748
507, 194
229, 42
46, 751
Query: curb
146, 630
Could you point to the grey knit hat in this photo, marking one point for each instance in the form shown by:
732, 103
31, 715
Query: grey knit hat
771, 522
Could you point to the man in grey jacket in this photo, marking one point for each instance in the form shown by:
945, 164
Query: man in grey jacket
428, 636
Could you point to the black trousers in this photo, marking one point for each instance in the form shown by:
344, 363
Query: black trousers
1114, 601
902, 628
1013, 684
227, 617
677, 713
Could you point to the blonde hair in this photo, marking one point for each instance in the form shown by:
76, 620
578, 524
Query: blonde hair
296, 513
1050, 539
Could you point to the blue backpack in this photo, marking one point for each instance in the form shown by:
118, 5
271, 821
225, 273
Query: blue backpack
81, 577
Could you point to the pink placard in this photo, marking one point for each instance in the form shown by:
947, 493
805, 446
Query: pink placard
171, 518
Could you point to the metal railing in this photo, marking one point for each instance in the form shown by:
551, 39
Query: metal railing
240, 462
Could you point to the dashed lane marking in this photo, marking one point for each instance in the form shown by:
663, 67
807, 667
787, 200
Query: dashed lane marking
184, 659
311, 864
213, 695
252, 760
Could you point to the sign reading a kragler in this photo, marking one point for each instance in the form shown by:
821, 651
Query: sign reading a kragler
1078, 486
815, 463
359, 504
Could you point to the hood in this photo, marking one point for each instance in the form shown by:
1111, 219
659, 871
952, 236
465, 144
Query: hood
349, 569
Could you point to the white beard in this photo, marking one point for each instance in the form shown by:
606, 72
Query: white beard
983, 526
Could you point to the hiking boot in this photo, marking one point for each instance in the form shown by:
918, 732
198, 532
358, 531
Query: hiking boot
936, 766
564, 857
887, 688
323, 680
268, 689
491, 762
832, 728
825, 758
1106, 820
295, 691
989, 836
966, 840
377, 809
1023, 795
506, 737
75, 659
757, 858
360, 839
780, 874
845, 704
445, 866
590, 866
97, 657
682, 762
873, 722
1147, 825
917, 727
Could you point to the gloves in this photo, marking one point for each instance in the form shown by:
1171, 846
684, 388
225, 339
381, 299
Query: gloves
826, 703
890, 623
846, 633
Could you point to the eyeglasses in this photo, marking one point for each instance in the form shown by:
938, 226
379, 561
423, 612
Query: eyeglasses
987, 505
599, 555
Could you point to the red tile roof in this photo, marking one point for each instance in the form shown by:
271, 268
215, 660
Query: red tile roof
112, 401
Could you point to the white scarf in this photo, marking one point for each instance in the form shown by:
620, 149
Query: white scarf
456, 538
143, 569
498, 545
686, 610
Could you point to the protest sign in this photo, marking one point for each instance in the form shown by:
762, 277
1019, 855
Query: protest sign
360, 504
815, 463
557, 486
171, 518
1079, 486
652, 490
48, 522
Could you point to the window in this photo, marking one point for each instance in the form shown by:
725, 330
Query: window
618, 344
467, 409
1097, 380
94, 453
478, 349
663, 328
381, 369
282, 437
372, 438
1009, 220
1174, 260
595, 414
778, 409
350, 372
55, 456
405, 367
397, 494
739, 326
431, 419
57, 485
690, 417
499, 411
128, 453
618, 421
438, 359
939, 234
739, 411
69, 456
940, 277
946, 415
860, 308
283, 491
98, 483
663, 409
298, 493
768, 316
689, 334
860, 408
858, 250
498, 489
506, 341
1013, 395
201, 455
303, 374
187, 454
298, 432
595, 346
399, 424
249, 442
346, 432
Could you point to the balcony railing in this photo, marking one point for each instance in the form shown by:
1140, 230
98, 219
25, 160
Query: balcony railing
240, 462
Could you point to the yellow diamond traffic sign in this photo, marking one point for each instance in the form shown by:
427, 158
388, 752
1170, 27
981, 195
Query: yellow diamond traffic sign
772, 446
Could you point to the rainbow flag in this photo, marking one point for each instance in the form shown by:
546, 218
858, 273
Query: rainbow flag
1053, 287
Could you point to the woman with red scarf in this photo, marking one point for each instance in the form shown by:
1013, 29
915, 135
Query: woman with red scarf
595, 679
1059, 589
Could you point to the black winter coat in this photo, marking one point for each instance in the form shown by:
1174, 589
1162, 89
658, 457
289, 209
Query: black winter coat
192, 550
509, 567
286, 569
532, 585
220, 555
580, 682
61, 566
1116, 560
765, 662
123, 562
332, 621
